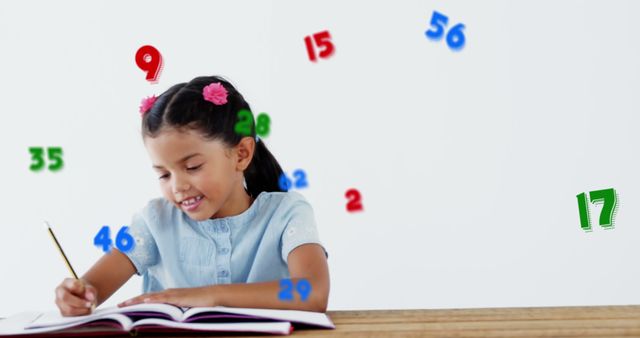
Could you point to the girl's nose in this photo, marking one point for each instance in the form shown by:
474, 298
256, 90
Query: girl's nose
180, 190
180, 186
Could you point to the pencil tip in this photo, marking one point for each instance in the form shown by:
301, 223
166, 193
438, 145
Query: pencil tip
46, 225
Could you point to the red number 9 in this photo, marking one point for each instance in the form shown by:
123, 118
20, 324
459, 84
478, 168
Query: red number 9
148, 59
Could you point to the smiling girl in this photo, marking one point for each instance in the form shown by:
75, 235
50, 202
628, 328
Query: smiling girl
224, 233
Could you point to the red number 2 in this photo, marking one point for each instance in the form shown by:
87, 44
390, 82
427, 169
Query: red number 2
148, 58
323, 42
355, 203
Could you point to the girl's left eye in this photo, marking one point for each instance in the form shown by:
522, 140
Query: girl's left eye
194, 168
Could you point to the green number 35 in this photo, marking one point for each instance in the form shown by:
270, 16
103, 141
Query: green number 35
37, 158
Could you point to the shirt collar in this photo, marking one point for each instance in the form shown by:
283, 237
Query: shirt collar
243, 218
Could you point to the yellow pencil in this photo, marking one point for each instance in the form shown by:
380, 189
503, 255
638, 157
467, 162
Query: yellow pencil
60, 249
55, 240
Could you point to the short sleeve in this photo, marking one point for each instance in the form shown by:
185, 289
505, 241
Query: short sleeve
145, 251
300, 227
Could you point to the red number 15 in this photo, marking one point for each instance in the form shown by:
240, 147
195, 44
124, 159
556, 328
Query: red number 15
323, 42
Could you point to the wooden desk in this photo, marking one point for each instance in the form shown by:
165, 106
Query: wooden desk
590, 321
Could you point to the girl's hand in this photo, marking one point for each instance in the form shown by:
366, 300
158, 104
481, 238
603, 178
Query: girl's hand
184, 297
75, 297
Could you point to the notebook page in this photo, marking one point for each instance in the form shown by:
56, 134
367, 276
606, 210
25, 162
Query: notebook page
273, 327
15, 325
294, 316
54, 318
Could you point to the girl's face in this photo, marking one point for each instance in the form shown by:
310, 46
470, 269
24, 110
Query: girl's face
200, 177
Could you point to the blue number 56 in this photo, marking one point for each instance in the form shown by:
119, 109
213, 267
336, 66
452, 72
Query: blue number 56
455, 36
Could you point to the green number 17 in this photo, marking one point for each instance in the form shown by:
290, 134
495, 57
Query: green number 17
608, 198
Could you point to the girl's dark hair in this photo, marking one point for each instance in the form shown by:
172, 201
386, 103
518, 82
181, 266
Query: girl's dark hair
184, 107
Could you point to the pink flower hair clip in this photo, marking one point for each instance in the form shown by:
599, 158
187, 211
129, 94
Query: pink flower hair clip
146, 104
216, 93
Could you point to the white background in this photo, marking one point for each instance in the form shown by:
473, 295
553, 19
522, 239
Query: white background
468, 162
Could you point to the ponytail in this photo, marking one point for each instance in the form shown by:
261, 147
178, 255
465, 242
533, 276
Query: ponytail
263, 173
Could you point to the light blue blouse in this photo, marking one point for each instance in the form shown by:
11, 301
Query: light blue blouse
173, 251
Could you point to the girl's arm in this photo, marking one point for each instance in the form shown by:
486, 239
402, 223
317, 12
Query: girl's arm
109, 273
307, 261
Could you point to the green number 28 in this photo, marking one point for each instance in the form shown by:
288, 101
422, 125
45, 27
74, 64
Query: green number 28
37, 157
245, 123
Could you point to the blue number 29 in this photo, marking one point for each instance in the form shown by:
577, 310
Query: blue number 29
286, 289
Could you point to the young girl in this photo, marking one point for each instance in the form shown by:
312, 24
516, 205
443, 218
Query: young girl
224, 234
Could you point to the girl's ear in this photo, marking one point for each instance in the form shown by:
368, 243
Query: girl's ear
245, 149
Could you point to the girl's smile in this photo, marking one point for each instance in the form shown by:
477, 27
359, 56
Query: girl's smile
191, 203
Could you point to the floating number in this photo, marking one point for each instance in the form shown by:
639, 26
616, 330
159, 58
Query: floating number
583, 209
304, 289
262, 129
354, 198
455, 36
608, 198
310, 51
53, 153
103, 238
55, 156
36, 156
245, 123
286, 289
124, 241
284, 182
438, 23
301, 180
322, 40
148, 59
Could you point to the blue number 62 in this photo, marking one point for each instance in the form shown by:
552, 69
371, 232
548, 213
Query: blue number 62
438, 22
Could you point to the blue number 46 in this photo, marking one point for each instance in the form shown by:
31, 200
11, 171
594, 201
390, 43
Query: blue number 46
124, 241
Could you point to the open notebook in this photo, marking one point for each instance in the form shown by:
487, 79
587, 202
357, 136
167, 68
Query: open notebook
163, 318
